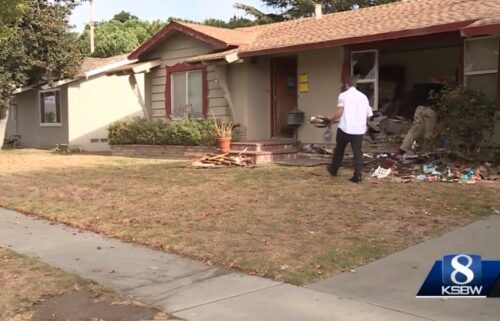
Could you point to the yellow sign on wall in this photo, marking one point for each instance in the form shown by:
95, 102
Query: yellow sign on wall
303, 83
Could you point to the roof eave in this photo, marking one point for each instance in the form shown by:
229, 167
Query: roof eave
456, 26
482, 30
172, 27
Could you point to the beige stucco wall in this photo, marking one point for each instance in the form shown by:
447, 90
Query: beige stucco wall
249, 84
27, 123
324, 68
98, 102
172, 51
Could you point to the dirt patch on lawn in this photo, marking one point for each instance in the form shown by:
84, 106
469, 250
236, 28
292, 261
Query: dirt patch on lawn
84, 306
33, 291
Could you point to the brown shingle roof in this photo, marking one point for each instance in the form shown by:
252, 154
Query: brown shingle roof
383, 19
89, 63
232, 37
395, 20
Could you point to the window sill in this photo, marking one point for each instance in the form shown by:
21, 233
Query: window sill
50, 125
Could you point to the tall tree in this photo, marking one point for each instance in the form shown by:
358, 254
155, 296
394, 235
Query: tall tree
118, 36
10, 13
37, 48
293, 9
124, 16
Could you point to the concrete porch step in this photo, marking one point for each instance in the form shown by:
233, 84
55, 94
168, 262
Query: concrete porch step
263, 146
267, 157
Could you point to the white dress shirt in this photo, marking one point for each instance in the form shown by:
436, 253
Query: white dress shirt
357, 110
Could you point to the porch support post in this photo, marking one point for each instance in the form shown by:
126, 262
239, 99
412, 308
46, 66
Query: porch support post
136, 81
346, 67
220, 71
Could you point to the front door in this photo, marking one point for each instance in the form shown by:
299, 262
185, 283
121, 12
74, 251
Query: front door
284, 94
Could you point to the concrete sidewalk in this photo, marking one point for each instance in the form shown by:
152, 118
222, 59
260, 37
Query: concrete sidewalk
186, 289
192, 291
393, 282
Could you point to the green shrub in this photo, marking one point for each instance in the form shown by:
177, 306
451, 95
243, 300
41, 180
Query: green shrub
464, 117
185, 131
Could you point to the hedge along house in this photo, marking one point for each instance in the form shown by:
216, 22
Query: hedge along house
255, 75
78, 111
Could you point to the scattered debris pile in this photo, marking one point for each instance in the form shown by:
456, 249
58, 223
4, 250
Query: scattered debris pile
315, 149
222, 160
386, 132
428, 168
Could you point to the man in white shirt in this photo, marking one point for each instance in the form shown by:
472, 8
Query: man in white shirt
353, 113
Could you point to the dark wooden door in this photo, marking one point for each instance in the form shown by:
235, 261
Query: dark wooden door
284, 94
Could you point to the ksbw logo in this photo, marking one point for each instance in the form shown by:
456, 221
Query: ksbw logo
462, 276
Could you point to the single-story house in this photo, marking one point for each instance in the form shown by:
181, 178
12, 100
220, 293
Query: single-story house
256, 75
77, 111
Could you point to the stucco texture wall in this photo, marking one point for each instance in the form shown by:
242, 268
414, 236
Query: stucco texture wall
98, 102
324, 68
249, 84
172, 51
27, 123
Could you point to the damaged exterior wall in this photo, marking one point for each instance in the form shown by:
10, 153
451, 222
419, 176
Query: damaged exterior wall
421, 65
173, 51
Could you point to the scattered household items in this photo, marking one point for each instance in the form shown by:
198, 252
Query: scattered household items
221, 160
385, 169
13, 140
381, 172
320, 121
315, 149
428, 168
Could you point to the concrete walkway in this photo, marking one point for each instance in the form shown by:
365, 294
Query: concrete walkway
393, 282
192, 291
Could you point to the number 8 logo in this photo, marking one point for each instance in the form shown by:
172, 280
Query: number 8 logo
462, 269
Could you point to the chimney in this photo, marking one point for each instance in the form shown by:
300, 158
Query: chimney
318, 10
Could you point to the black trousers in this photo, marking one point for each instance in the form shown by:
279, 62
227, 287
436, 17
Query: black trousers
356, 142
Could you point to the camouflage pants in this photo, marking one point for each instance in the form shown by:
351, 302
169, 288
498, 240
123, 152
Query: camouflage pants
423, 126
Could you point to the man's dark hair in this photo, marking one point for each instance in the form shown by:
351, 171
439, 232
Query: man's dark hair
352, 81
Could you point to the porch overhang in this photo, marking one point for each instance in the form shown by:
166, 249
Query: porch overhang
136, 68
228, 56
488, 26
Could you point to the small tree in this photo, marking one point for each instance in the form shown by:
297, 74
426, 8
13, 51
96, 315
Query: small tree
464, 116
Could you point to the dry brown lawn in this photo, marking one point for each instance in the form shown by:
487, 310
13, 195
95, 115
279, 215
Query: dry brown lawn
33, 291
291, 224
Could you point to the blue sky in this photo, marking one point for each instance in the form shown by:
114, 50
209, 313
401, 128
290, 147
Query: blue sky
196, 10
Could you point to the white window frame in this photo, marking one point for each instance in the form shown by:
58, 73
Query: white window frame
59, 124
172, 91
375, 81
481, 72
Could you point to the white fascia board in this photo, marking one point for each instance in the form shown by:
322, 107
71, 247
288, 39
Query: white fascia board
109, 67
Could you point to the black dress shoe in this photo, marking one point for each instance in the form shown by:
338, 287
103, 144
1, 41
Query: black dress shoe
330, 170
356, 179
